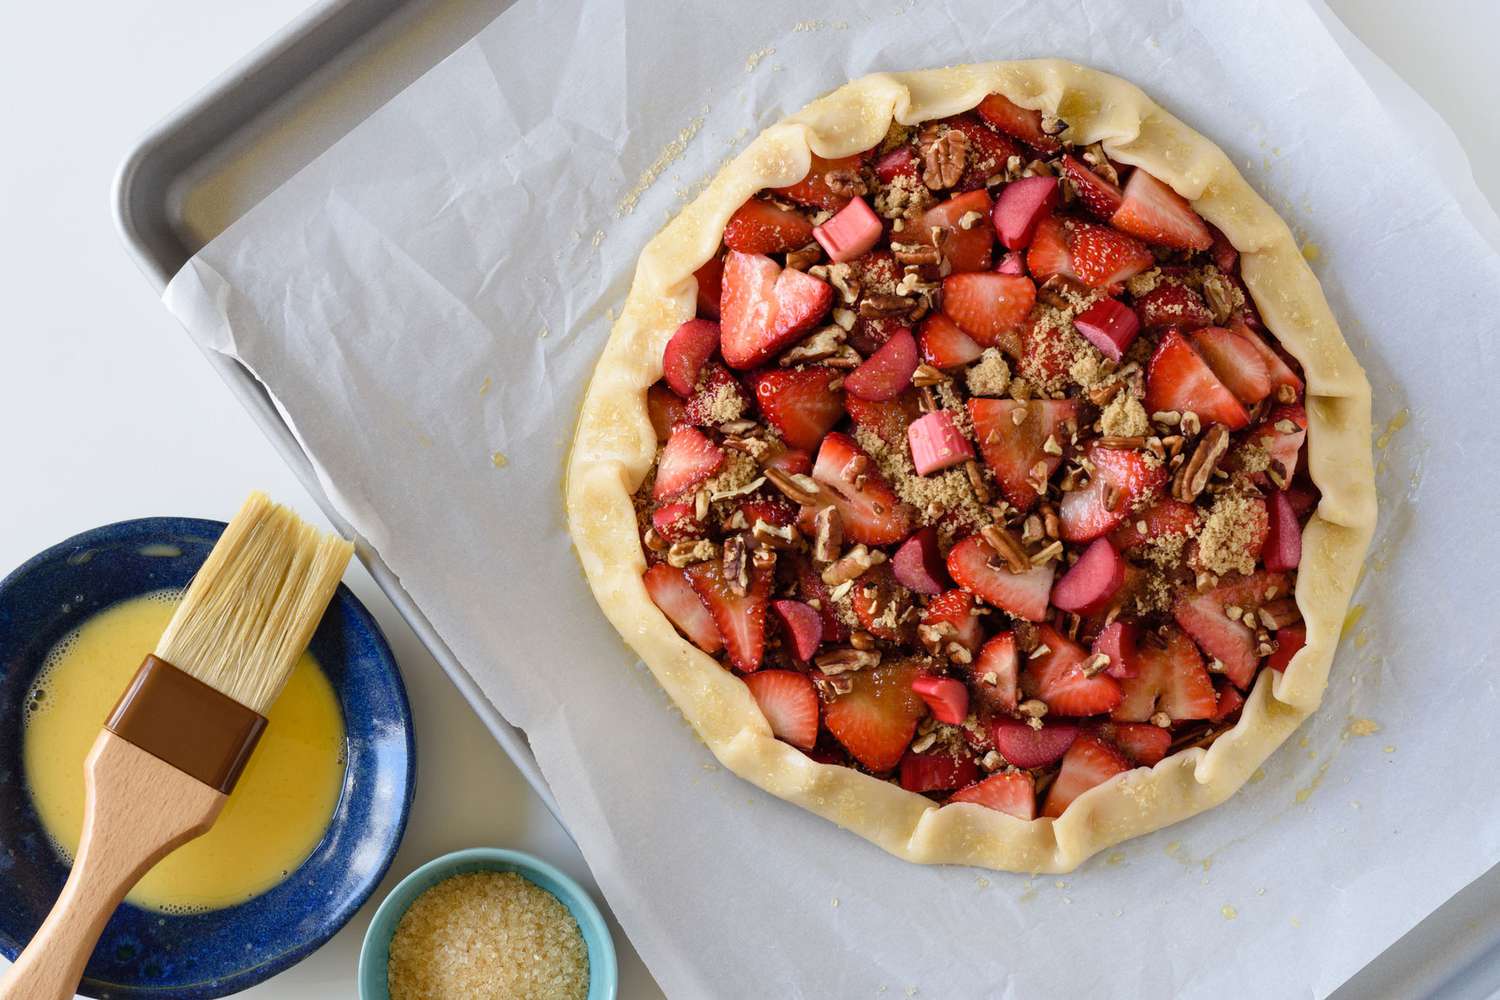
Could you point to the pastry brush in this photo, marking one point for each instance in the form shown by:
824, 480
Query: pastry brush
171, 750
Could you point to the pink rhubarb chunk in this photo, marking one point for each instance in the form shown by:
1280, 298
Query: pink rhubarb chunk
850, 233
1109, 325
1021, 206
1283, 547
936, 443
1092, 580
947, 698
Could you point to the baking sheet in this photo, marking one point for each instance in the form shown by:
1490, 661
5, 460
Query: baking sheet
483, 224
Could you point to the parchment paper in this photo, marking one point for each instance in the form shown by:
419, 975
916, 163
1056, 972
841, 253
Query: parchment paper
426, 300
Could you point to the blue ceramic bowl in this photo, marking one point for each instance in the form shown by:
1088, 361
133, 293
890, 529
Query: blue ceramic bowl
145, 953
604, 973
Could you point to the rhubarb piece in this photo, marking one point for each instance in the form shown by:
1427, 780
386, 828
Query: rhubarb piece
886, 373
1022, 205
789, 703
1283, 546
1109, 325
803, 627
1091, 582
918, 564
854, 230
937, 443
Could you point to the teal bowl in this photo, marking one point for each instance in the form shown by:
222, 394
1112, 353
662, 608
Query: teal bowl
604, 974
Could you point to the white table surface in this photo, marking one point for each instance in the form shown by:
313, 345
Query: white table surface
110, 413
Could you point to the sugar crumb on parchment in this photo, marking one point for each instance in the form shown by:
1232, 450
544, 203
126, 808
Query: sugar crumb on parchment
670, 152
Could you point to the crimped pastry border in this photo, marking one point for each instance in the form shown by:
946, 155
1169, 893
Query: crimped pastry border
615, 446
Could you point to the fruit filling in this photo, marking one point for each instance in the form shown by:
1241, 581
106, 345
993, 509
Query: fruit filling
979, 466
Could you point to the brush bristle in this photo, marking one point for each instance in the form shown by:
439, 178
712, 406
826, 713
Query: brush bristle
254, 604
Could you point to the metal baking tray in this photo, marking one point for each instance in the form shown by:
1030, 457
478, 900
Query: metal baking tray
264, 119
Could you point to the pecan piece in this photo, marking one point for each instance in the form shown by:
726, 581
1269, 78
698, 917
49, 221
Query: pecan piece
1192, 478
852, 565
799, 489
1007, 547
828, 537
845, 183
944, 157
840, 661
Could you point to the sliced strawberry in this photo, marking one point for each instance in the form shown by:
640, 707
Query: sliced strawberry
1157, 214
1117, 640
1172, 303
1283, 545
1012, 450
1281, 373
1012, 263
1010, 792
876, 271
1109, 325
802, 404
1126, 477
951, 613
976, 567
965, 248
918, 563
1302, 498
988, 306
1017, 122
946, 698
1099, 196
790, 704
1023, 746
1144, 744
876, 718
759, 227
995, 675
687, 460
1091, 582
1178, 379
766, 307
670, 591
870, 509
899, 162
676, 521
1170, 680
793, 461
803, 625
1021, 207
944, 344
937, 770
1088, 763
741, 618
1103, 256
710, 286
1236, 362
887, 420
852, 231
694, 343
774, 510
814, 191
1283, 446
1230, 701
988, 154
886, 373
1049, 253
937, 443
1057, 677
1165, 517
665, 408
880, 602
1205, 618
719, 398
1289, 641
812, 590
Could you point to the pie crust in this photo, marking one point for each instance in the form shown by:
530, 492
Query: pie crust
615, 446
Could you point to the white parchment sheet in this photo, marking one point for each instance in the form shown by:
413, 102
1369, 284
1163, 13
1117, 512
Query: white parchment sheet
426, 301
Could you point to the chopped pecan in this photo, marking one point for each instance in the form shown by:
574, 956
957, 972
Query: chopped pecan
797, 488
851, 565
828, 536
1193, 477
822, 343
1280, 613
883, 304
777, 536
1220, 295
1007, 547
1122, 443
945, 153
1058, 291
845, 183
806, 257
737, 564
926, 375
687, 552
976, 481
842, 661
916, 253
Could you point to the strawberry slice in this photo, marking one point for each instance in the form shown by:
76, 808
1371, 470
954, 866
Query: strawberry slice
887, 420
1012, 263
766, 307
1109, 325
1103, 256
1017, 122
1226, 257
676, 521
802, 404
759, 227
775, 510
1289, 641
1023, 746
710, 286
665, 408
1010, 792
1230, 701
937, 770
1126, 477
966, 247
1057, 678
1117, 640
976, 567
1236, 362
1173, 304
688, 458
1281, 437
1091, 582
994, 675
741, 618
987, 306
694, 343
937, 443
1165, 517
1205, 618
671, 592
946, 698
944, 344
875, 271
1088, 763
853, 231
793, 461
812, 590
803, 627
1144, 744
1283, 545
899, 162
1098, 195
1170, 680
719, 398
870, 509
1281, 373
1157, 214
878, 602
1049, 253
886, 373
918, 563
813, 189
1021, 207
790, 704
951, 613
876, 718
1178, 379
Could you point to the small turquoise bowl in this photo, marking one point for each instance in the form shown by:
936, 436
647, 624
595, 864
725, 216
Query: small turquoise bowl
604, 974
194, 956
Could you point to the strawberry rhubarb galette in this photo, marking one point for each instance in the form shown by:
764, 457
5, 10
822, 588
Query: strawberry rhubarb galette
978, 464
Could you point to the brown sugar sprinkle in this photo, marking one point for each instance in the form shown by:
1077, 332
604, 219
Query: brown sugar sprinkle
487, 936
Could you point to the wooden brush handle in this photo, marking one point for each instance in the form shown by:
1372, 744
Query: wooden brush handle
138, 809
